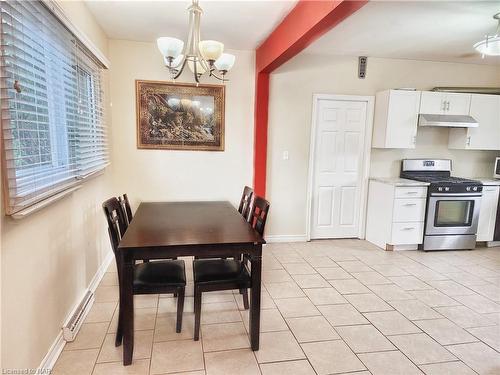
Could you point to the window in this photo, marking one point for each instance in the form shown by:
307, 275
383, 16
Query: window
52, 106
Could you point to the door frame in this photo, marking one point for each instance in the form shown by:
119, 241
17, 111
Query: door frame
363, 192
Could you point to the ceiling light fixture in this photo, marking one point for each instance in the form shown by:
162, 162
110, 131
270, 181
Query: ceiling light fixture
491, 44
200, 56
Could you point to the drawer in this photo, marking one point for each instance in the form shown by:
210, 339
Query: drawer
406, 210
407, 233
411, 192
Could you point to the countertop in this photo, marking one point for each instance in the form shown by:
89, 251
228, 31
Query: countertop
488, 181
397, 181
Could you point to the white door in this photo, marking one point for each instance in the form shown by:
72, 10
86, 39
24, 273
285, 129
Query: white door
337, 168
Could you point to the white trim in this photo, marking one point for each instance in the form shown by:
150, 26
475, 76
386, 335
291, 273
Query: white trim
57, 347
286, 238
370, 104
58, 11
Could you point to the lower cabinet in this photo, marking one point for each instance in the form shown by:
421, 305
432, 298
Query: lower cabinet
396, 215
488, 213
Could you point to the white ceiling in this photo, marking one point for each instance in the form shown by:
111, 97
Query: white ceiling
238, 24
420, 30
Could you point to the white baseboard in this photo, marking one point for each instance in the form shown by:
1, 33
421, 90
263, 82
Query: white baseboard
286, 238
57, 347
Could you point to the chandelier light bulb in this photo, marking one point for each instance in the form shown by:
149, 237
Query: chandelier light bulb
170, 47
211, 50
225, 62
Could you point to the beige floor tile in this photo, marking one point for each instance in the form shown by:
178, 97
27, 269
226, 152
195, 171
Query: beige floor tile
390, 292
466, 278
138, 367
266, 302
334, 273
225, 312
391, 323
295, 307
287, 368
421, 349
224, 336
144, 319
409, 283
311, 281
451, 288
389, 270
299, 269
106, 293
342, 315
320, 261
146, 301
312, 328
217, 297
169, 305
464, 317
444, 331
479, 303
389, 363
284, 290
364, 339
201, 372
447, 368
434, 298
368, 302
90, 336
143, 342
415, 310
478, 356
101, 312
166, 325
371, 278
76, 362
241, 362
276, 276
488, 290
176, 356
331, 357
270, 320
354, 266
278, 346
325, 296
488, 335
349, 286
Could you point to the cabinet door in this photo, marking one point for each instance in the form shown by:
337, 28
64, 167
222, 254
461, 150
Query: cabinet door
432, 103
457, 103
402, 119
488, 213
486, 110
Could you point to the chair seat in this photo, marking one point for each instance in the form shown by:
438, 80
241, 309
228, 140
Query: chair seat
220, 271
168, 273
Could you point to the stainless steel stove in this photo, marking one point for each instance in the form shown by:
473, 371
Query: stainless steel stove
453, 204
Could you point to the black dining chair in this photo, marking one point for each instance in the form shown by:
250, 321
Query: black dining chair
125, 203
246, 199
160, 277
227, 274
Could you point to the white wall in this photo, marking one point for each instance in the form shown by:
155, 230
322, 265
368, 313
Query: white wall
49, 258
292, 87
179, 175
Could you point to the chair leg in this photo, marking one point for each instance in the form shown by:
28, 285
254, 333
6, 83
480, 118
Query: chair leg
119, 328
180, 309
197, 313
244, 294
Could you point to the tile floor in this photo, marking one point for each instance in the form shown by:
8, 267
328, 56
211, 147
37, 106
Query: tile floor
329, 307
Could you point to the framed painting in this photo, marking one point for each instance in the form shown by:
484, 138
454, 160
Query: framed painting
179, 116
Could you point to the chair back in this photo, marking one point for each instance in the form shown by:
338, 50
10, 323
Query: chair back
125, 203
258, 214
117, 223
245, 201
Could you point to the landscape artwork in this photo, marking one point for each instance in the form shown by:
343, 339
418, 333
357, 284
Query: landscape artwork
178, 116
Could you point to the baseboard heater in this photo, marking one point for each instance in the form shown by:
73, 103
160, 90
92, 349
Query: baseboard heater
74, 322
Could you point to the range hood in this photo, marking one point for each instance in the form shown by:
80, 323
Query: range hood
447, 121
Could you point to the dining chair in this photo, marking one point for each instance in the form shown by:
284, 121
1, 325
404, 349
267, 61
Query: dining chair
227, 274
245, 201
159, 277
125, 203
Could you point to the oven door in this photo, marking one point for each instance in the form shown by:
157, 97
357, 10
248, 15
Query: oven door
453, 214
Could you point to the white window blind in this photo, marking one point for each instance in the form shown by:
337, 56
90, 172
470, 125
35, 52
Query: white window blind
52, 106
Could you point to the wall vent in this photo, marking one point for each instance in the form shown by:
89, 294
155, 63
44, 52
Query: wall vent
362, 62
76, 319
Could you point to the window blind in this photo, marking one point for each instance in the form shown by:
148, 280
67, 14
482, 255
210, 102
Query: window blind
52, 113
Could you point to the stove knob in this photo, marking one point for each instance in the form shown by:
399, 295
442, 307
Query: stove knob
467, 188
440, 189
474, 188
446, 189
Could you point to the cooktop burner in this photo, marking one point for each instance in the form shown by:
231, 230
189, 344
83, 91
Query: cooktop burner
439, 179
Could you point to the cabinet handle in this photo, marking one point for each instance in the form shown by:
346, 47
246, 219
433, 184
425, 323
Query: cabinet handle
414, 139
447, 105
443, 107
468, 141
410, 204
408, 228
411, 192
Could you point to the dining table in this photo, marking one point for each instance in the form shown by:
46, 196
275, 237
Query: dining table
166, 230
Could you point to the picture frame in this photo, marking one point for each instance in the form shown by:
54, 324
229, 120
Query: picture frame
180, 116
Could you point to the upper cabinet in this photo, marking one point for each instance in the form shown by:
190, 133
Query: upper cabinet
445, 103
486, 110
396, 118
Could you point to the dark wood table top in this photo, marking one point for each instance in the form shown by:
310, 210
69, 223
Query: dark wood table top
163, 224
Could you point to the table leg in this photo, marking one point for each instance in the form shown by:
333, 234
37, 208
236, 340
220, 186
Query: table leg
256, 271
127, 297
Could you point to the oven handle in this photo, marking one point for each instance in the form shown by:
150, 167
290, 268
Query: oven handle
467, 195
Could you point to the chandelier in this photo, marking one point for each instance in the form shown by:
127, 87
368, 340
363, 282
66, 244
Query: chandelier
491, 44
205, 56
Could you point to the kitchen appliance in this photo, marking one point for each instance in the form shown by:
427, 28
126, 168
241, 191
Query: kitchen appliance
447, 121
496, 172
453, 204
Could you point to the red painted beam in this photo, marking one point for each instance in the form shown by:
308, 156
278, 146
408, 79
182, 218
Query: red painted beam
305, 23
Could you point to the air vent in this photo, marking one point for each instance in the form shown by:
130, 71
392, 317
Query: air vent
362, 62
75, 321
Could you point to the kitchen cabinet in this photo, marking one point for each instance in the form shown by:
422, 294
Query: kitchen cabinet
444, 103
486, 110
488, 213
395, 215
396, 118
